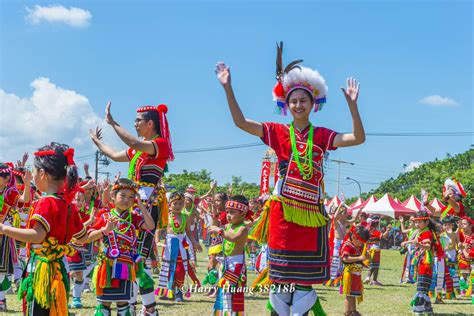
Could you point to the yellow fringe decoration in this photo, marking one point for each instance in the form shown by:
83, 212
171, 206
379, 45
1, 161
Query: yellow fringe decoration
164, 216
262, 279
215, 250
303, 214
259, 231
347, 280
48, 284
16, 217
469, 290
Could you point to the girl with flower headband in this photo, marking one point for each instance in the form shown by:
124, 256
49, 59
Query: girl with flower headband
53, 223
427, 245
353, 254
119, 261
175, 263
233, 276
466, 256
80, 263
373, 248
296, 209
148, 155
9, 199
451, 231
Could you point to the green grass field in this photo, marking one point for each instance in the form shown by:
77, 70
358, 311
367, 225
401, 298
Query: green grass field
391, 299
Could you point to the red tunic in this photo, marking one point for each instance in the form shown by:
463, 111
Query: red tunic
149, 169
10, 199
52, 213
424, 238
297, 253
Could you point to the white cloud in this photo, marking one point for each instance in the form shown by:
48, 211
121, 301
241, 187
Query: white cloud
75, 17
437, 100
51, 114
412, 166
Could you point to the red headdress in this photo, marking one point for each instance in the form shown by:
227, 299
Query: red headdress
162, 109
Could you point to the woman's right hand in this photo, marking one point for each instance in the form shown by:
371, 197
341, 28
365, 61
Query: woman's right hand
223, 73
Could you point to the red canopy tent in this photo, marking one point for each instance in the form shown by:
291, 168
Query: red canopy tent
336, 201
412, 203
354, 210
437, 204
387, 206
359, 201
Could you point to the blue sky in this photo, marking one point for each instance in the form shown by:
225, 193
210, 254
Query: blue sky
150, 52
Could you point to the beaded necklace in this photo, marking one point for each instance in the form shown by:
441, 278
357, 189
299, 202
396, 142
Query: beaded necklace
176, 227
306, 166
127, 220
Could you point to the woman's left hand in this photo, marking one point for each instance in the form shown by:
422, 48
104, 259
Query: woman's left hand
351, 93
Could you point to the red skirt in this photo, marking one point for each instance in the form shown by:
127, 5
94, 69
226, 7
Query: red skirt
297, 254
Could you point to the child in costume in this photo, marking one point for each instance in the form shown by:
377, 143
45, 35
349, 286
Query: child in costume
218, 218
175, 263
441, 280
230, 294
296, 222
408, 268
466, 256
337, 232
353, 254
148, 156
373, 248
119, 260
9, 198
427, 246
78, 262
451, 253
54, 221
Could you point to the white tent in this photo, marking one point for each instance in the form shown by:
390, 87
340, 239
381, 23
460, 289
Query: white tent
387, 206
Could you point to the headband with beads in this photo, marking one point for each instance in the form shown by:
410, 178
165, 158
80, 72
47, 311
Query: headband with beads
120, 186
236, 206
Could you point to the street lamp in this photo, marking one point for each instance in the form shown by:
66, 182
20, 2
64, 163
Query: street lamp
360, 190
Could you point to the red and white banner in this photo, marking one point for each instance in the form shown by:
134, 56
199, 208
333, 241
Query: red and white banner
265, 178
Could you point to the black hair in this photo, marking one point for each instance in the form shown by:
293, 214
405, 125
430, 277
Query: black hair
362, 232
240, 198
223, 196
155, 117
4, 166
307, 92
175, 194
431, 225
56, 165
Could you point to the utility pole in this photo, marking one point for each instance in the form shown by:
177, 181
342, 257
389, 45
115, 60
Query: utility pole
339, 162
96, 165
102, 160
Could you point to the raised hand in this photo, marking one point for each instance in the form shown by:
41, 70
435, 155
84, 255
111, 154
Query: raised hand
96, 135
400, 218
108, 115
110, 225
351, 93
223, 73
24, 159
86, 168
27, 176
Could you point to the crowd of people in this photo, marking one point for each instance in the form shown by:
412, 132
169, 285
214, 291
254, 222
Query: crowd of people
67, 233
